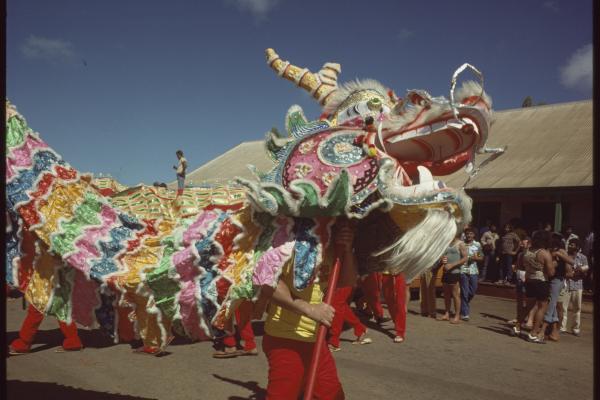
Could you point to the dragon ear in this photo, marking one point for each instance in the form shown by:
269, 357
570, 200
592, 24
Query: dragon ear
320, 85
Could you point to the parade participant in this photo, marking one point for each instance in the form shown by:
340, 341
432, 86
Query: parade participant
371, 285
454, 257
29, 328
468, 273
394, 293
574, 289
291, 326
228, 344
343, 312
539, 268
180, 169
564, 267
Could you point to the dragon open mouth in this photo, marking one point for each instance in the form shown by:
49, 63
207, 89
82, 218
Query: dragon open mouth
433, 141
430, 141
420, 147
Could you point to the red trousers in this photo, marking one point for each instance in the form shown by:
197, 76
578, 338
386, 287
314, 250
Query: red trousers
394, 293
372, 288
289, 361
31, 325
244, 327
125, 327
343, 313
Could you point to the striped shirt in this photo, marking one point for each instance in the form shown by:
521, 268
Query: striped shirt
580, 261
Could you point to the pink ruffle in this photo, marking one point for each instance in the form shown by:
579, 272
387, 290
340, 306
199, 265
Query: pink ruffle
184, 264
85, 299
197, 230
22, 156
269, 265
189, 312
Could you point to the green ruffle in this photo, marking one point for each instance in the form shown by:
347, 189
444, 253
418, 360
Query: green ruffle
61, 306
163, 285
303, 198
16, 128
85, 215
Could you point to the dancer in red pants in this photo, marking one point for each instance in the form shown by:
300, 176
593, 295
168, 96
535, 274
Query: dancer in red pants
29, 328
343, 313
394, 293
371, 286
244, 327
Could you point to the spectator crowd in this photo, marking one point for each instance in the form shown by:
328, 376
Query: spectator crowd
549, 271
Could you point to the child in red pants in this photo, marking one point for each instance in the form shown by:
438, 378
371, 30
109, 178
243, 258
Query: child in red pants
343, 313
291, 328
29, 328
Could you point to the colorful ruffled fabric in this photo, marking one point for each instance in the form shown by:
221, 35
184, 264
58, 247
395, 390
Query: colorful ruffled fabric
77, 255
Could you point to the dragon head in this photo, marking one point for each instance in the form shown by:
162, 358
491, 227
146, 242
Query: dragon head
373, 150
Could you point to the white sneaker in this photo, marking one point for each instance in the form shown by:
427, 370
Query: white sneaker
535, 339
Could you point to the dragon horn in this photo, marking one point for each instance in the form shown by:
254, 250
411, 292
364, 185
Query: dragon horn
320, 85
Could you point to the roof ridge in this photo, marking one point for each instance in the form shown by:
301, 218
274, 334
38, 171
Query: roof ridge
220, 156
547, 105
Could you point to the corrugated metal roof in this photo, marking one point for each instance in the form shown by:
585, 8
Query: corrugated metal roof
548, 146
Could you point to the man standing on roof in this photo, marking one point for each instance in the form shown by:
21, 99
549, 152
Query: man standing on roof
180, 171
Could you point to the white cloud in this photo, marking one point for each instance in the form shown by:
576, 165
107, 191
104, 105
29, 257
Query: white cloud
405, 34
551, 5
258, 8
577, 72
53, 50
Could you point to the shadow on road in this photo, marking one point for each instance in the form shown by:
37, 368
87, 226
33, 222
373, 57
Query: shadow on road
376, 327
485, 315
258, 392
500, 330
29, 390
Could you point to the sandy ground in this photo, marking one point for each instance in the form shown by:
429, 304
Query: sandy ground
473, 360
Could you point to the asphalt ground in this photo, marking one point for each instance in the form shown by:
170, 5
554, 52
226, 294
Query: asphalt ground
473, 360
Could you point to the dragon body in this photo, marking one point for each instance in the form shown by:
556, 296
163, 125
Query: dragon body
182, 264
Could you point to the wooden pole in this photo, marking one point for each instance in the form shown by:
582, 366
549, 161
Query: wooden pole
322, 331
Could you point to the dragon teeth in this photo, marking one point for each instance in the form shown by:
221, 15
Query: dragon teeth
424, 174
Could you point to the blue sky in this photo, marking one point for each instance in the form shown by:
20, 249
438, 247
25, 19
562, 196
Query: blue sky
117, 87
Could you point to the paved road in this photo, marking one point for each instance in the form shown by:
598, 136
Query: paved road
474, 360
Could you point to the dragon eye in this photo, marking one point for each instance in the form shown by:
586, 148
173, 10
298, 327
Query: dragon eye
374, 104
